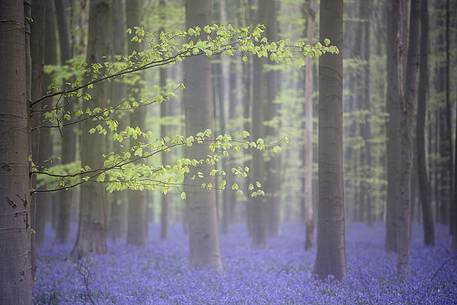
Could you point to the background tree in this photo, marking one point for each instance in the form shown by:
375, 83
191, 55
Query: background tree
198, 105
331, 252
93, 216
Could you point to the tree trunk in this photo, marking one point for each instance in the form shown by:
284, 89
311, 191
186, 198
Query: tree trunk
424, 186
198, 106
310, 11
45, 152
66, 197
118, 93
273, 170
136, 229
15, 247
407, 98
331, 252
165, 202
93, 215
393, 148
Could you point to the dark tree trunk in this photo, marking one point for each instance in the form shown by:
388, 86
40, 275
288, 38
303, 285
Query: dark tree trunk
45, 152
66, 197
393, 148
93, 215
408, 79
15, 247
424, 186
331, 252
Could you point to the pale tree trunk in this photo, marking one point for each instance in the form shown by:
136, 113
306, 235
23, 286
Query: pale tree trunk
366, 157
198, 106
93, 214
273, 177
15, 236
408, 81
259, 104
136, 228
424, 185
66, 197
165, 156
331, 248
118, 209
310, 11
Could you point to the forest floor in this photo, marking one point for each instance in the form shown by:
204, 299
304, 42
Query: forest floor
280, 274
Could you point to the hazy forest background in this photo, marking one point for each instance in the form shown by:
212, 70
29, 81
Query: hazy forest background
228, 152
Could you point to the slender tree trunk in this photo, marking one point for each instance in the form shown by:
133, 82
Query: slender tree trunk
136, 229
165, 202
93, 215
310, 10
331, 252
424, 186
407, 98
45, 152
15, 247
198, 106
393, 148
66, 197
366, 155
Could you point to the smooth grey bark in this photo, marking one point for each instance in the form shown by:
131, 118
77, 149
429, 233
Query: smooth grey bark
15, 247
331, 248
93, 214
393, 126
136, 228
365, 128
45, 151
118, 209
37, 36
258, 204
424, 184
198, 107
273, 170
310, 11
408, 79
68, 153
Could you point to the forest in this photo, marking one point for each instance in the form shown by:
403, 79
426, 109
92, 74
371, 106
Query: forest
228, 152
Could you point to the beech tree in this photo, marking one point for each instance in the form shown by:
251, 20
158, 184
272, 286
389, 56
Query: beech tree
136, 229
15, 218
93, 215
331, 252
198, 106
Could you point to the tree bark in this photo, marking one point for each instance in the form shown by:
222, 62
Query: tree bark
118, 210
136, 229
165, 156
424, 185
310, 11
407, 98
331, 253
198, 106
93, 215
393, 148
15, 247
66, 197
